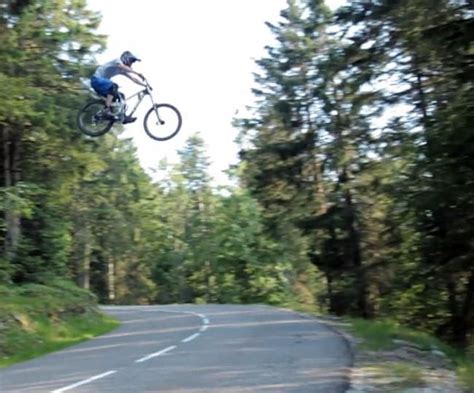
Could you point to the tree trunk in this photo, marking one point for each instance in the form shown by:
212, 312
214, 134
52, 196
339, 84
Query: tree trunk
330, 296
354, 240
461, 314
85, 261
11, 176
452, 305
468, 311
111, 280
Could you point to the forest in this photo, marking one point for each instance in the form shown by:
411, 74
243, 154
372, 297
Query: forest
354, 192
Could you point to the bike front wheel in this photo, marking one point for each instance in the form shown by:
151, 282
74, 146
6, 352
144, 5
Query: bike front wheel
162, 122
91, 120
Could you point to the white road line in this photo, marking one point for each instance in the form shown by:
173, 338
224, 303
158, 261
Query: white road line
152, 355
187, 339
205, 322
83, 382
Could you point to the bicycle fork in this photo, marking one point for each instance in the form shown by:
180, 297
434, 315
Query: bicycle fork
155, 109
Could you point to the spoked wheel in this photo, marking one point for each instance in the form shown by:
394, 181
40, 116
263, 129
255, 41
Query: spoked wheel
91, 121
162, 122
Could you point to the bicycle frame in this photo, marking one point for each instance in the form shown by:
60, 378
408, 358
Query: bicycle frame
141, 94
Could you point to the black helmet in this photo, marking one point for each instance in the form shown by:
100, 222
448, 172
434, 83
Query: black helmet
128, 59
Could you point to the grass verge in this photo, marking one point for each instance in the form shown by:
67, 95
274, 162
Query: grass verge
465, 369
37, 319
379, 335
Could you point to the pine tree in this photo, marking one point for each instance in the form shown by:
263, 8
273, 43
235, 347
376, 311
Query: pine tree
427, 54
43, 46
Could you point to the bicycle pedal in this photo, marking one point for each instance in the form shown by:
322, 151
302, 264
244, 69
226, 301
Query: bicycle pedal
129, 119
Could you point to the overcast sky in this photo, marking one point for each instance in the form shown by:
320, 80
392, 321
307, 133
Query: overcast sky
198, 55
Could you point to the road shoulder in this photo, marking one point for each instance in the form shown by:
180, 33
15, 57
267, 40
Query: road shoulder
406, 367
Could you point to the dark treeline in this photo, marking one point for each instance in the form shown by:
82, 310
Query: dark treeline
355, 188
363, 143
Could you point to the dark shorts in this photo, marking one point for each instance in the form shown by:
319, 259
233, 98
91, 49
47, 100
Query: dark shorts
103, 86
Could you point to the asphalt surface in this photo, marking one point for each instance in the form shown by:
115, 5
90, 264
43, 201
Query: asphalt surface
194, 348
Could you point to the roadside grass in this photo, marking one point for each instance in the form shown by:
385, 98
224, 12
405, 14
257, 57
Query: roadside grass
379, 335
409, 375
37, 319
466, 372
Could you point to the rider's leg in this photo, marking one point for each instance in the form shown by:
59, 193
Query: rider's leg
108, 100
119, 96
105, 88
112, 94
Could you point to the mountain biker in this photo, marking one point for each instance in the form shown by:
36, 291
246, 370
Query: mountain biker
102, 84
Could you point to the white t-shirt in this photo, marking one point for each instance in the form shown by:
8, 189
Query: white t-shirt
109, 70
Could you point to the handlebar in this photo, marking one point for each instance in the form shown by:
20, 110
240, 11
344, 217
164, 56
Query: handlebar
147, 84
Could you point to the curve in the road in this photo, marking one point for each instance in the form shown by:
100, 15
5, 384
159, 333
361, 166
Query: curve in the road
204, 326
246, 349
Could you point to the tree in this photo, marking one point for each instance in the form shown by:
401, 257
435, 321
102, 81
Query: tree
43, 44
430, 51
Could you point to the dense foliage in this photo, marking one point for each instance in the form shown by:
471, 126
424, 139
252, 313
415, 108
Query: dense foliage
354, 190
363, 140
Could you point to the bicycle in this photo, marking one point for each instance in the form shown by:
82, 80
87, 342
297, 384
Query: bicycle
161, 122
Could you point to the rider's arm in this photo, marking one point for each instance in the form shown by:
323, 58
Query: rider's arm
136, 80
129, 74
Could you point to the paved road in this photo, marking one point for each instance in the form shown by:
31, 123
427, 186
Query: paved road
194, 348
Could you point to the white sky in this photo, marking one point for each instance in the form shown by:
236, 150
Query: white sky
198, 55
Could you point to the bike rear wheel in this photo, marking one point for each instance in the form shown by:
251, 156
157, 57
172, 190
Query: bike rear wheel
162, 122
91, 121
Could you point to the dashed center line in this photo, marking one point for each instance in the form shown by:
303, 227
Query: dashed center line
187, 339
75, 385
154, 355
205, 322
